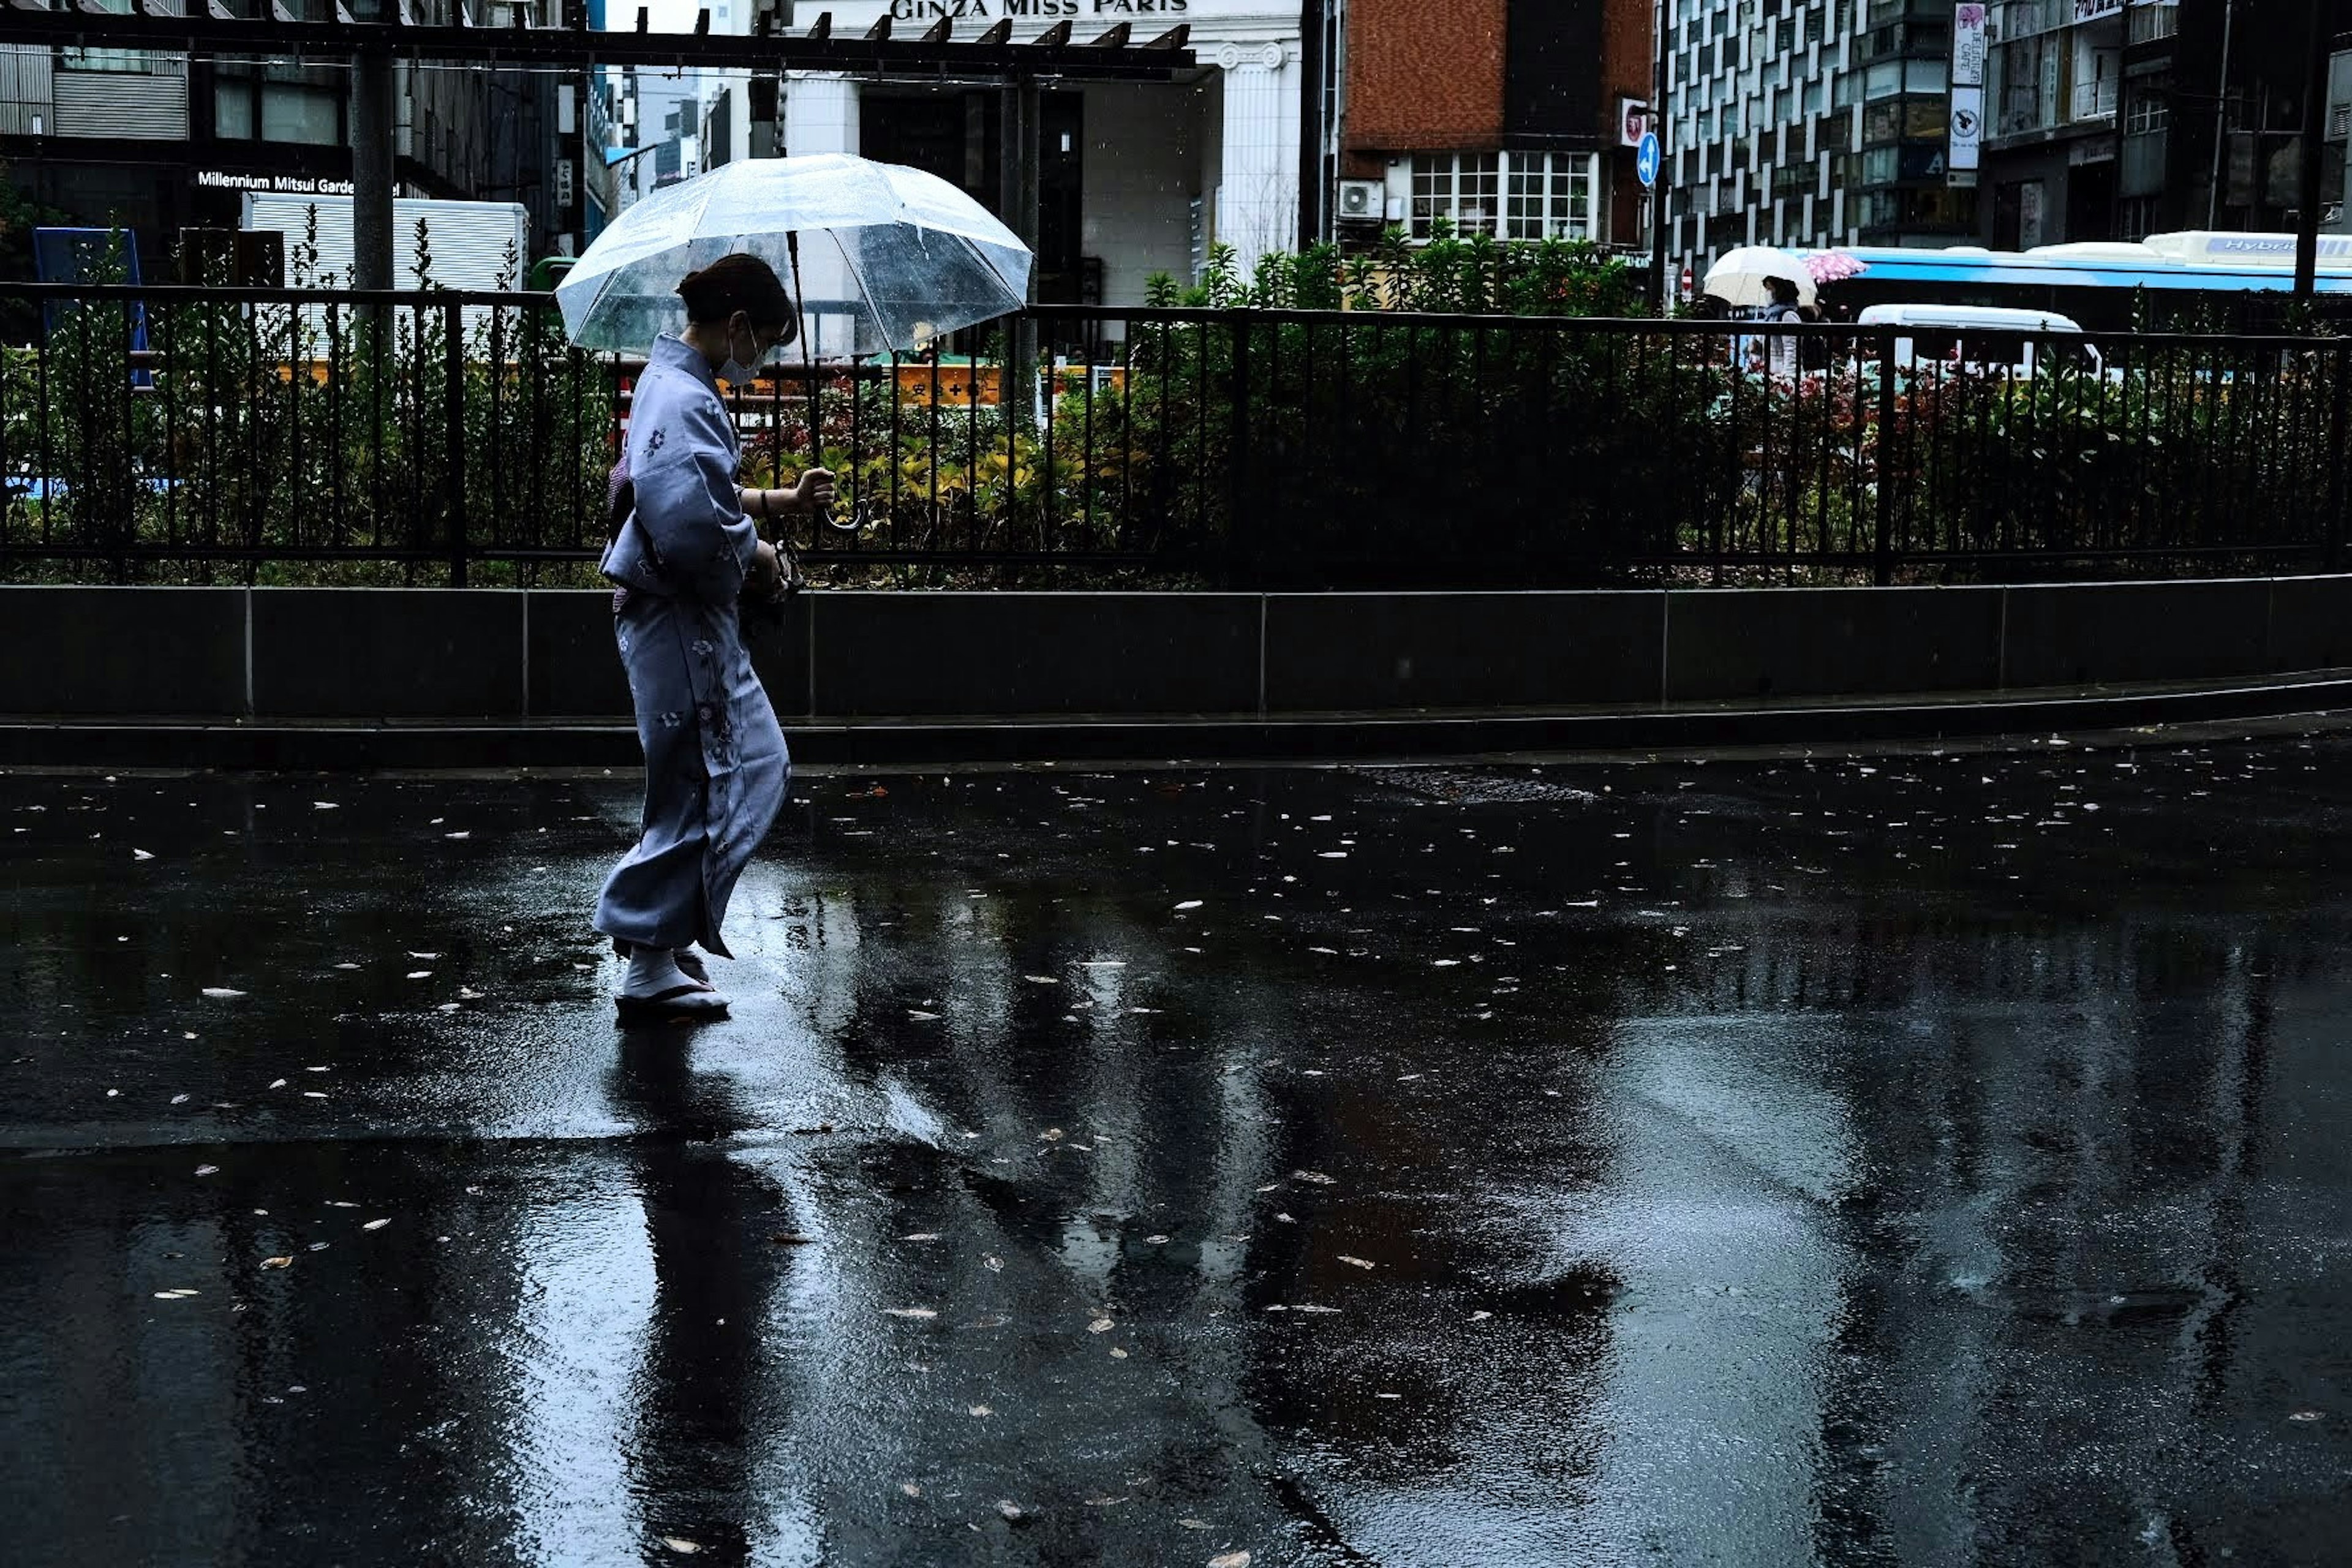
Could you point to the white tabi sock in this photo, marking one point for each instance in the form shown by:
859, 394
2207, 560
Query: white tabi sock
652, 971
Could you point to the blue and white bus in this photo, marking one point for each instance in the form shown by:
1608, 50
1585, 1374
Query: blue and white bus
2199, 278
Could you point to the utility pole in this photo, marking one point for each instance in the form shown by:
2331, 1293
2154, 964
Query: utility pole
370, 117
2314, 132
2122, 113
1658, 239
2220, 116
1657, 127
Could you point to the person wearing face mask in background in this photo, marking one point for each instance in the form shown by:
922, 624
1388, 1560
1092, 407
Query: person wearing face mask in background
686, 550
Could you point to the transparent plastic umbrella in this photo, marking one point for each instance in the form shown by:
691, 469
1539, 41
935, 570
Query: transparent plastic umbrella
890, 258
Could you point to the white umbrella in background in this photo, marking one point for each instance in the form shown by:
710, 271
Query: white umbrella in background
883, 257
1742, 276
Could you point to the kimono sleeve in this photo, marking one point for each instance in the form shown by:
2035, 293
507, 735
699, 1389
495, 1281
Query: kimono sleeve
687, 499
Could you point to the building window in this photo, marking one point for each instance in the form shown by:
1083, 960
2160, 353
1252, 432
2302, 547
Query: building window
2151, 22
1510, 196
1458, 186
2028, 94
1551, 195
130, 60
2137, 218
84, 60
2097, 66
233, 110
277, 103
2147, 114
295, 112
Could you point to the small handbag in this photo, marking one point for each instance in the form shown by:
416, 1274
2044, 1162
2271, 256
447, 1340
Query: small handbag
755, 612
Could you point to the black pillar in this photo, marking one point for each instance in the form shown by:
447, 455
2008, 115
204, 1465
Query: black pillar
2315, 145
1023, 119
1314, 131
372, 237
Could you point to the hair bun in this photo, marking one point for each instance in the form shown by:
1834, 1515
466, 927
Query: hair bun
738, 282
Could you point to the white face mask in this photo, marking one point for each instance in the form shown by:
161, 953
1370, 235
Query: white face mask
735, 371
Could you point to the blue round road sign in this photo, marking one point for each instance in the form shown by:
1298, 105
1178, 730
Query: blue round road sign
1645, 158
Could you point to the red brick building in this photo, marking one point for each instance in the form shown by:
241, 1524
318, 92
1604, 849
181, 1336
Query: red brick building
1417, 82
1504, 116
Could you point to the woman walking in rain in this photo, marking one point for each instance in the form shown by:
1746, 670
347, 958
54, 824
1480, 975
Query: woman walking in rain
685, 553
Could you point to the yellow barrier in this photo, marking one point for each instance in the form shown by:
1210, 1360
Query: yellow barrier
959, 386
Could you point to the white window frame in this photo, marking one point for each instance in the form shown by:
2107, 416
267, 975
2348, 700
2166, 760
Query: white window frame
2147, 114
1489, 194
1463, 187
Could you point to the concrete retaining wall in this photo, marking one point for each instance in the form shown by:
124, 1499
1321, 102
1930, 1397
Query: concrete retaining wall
426, 654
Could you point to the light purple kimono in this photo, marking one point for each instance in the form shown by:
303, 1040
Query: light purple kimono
716, 766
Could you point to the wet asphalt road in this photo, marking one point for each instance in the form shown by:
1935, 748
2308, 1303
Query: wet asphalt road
1936, 1160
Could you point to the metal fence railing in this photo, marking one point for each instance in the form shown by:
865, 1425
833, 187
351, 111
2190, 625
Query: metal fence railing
166, 434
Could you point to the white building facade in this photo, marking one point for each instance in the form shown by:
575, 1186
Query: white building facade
1135, 178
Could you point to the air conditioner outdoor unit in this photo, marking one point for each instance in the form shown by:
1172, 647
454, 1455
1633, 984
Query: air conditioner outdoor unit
1363, 201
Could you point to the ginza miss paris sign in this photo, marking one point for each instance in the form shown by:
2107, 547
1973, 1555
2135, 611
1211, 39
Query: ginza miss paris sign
984, 10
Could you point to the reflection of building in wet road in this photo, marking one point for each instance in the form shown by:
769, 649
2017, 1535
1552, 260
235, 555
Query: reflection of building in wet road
1774, 1163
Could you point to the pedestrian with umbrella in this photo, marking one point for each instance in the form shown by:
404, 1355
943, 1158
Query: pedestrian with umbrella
1770, 285
685, 552
900, 256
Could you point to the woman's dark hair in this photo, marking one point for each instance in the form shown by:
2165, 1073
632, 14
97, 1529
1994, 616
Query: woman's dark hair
738, 282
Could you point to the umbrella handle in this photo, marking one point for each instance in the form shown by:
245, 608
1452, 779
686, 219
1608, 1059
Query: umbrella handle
808, 367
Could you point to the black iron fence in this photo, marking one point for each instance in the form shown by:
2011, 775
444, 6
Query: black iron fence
174, 434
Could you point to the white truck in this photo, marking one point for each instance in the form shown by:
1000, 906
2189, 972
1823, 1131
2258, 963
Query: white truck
473, 245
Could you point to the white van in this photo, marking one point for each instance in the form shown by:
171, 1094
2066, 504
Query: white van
1984, 337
